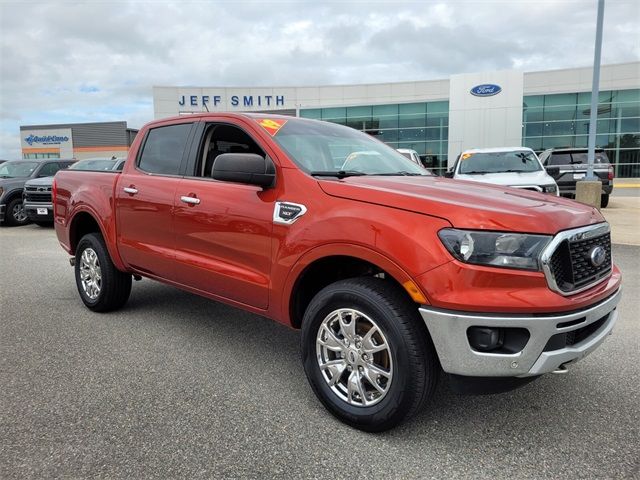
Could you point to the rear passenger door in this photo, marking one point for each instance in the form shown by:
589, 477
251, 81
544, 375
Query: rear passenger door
145, 197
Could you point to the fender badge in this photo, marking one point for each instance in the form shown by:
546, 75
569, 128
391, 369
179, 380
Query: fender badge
285, 213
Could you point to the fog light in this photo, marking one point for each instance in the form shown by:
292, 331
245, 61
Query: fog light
485, 339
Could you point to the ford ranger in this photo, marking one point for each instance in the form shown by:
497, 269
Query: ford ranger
394, 276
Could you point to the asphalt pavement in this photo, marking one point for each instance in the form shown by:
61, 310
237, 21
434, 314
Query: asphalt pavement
176, 386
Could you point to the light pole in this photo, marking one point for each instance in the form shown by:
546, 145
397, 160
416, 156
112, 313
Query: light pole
595, 91
589, 190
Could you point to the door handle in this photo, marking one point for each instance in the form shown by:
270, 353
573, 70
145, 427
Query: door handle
130, 190
190, 200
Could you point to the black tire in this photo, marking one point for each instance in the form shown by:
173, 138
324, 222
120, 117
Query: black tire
44, 224
604, 200
15, 215
415, 366
115, 286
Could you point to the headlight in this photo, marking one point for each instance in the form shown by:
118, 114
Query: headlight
496, 249
549, 188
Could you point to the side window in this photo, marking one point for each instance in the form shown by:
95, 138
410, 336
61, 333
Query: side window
163, 149
48, 170
219, 139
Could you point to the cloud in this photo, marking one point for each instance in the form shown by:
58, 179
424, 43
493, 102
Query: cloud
64, 61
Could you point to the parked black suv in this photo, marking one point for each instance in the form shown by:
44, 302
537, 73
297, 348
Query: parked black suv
37, 192
13, 175
568, 165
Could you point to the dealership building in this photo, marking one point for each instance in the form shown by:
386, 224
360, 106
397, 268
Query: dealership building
76, 140
440, 118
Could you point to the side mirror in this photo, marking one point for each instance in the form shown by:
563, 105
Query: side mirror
553, 171
448, 174
244, 168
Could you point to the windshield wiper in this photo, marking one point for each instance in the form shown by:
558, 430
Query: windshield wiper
472, 172
519, 171
402, 173
337, 174
5, 176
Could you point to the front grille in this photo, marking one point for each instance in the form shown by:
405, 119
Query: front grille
37, 194
571, 264
38, 197
567, 339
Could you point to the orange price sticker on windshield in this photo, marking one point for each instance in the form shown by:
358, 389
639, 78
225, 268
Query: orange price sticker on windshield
271, 126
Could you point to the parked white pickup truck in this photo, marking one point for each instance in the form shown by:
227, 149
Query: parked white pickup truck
517, 167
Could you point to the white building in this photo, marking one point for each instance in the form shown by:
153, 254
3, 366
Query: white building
439, 118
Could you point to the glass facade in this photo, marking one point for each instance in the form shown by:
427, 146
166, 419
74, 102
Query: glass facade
423, 127
562, 120
548, 121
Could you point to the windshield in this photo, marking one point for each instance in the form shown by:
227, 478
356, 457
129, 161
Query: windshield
325, 148
499, 162
93, 165
17, 169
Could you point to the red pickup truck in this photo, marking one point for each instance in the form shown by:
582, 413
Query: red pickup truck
392, 274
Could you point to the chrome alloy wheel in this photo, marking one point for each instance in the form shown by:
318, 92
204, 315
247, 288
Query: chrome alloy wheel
354, 357
19, 213
90, 274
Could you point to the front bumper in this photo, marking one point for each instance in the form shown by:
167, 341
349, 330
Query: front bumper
448, 331
31, 209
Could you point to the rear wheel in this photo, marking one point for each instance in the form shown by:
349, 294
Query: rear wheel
101, 285
604, 200
16, 214
367, 354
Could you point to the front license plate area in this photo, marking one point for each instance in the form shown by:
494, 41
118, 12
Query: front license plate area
42, 211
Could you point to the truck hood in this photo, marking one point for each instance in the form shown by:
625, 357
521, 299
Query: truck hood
40, 182
513, 179
469, 205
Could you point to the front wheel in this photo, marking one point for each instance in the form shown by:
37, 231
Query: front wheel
16, 214
604, 200
101, 285
367, 354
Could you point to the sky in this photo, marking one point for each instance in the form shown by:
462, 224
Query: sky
91, 61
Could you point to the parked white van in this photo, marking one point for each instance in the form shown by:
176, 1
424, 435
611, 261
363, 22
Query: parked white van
517, 167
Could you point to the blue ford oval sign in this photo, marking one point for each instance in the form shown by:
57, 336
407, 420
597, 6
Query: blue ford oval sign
486, 90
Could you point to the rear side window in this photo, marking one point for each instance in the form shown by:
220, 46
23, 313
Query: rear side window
163, 149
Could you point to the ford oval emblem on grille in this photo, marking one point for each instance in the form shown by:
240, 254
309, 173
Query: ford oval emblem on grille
597, 256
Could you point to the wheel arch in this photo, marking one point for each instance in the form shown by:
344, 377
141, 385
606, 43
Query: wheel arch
84, 222
330, 263
16, 192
